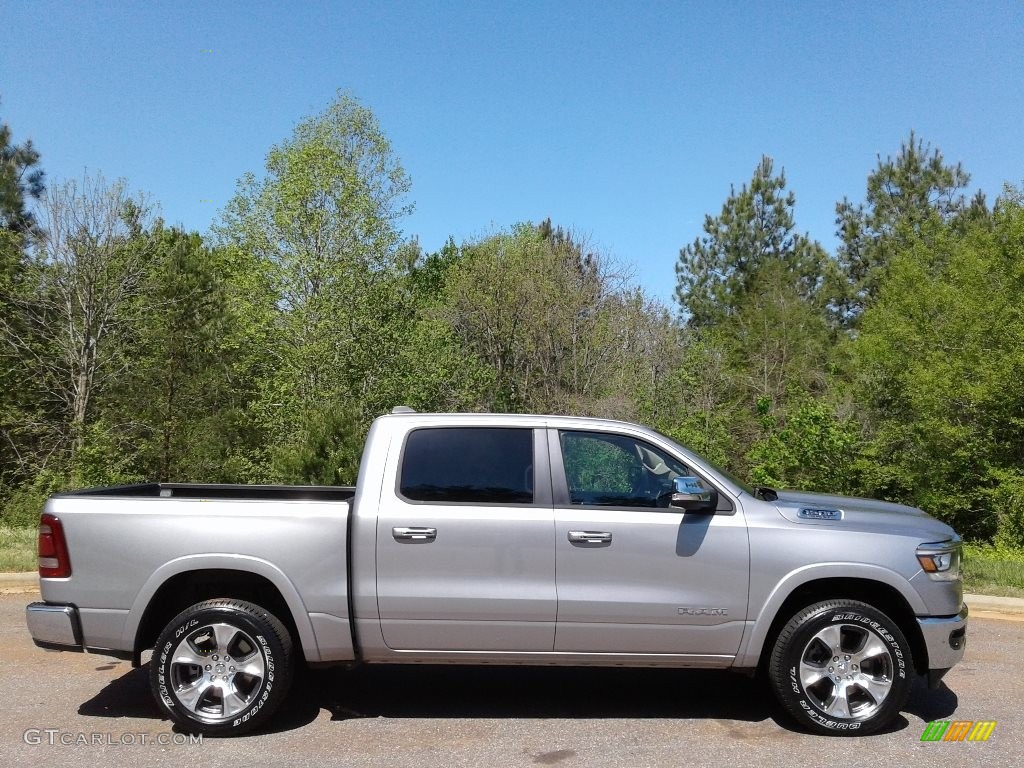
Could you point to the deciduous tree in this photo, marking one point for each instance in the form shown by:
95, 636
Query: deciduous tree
81, 282
322, 227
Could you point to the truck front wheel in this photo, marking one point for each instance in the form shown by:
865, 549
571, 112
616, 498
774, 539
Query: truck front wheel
841, 667
221, 667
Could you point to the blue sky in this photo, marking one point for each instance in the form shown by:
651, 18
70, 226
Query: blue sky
624, 121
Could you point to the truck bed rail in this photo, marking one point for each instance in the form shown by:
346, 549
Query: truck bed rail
215, 491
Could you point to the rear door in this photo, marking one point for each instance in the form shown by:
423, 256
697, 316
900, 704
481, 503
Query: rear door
635, 575
465, 543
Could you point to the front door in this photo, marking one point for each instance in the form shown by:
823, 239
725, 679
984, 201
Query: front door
634, 575
465, 548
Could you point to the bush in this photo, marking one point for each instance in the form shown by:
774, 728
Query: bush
813, 450
104, 458
25, 504
1007, 500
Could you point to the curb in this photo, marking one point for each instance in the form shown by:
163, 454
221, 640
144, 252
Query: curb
16, 583
1013, 606
23, 579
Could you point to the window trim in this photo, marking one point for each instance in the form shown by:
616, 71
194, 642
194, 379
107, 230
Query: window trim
542, 485
560, 485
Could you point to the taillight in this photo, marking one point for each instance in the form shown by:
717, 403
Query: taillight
54, 562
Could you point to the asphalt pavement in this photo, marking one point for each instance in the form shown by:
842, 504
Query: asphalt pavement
81, 709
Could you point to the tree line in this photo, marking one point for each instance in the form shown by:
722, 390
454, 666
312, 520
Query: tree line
132, 350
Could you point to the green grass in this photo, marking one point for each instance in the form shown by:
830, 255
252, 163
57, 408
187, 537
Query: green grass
18, 549
992, 570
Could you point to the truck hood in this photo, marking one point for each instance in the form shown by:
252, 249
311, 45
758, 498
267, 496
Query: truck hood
868, 515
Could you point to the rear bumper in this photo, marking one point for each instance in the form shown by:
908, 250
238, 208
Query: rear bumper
945, 639
54, 626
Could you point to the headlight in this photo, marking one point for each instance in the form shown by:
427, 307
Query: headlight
941, 560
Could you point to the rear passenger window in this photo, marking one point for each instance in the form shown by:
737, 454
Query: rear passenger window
473, 464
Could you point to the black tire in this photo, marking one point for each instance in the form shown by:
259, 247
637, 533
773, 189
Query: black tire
865, 668
218, 694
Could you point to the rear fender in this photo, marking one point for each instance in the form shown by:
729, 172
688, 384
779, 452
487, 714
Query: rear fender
243, 563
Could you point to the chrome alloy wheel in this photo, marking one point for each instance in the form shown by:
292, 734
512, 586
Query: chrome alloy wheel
216, 671
847, 671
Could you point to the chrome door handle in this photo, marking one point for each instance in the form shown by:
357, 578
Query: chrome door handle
590, 537
418, 534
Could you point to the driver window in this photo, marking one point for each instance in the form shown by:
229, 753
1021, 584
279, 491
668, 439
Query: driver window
617, 471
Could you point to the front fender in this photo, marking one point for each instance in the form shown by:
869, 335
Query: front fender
754, 637
231, 562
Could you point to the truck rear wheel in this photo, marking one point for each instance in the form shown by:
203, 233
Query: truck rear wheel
221, 667
841, 667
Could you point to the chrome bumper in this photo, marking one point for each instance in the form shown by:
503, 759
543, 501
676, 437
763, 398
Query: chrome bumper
945, 639
54, 626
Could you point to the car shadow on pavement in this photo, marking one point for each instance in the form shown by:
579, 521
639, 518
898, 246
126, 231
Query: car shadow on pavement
125, 696
425, 691
931, 705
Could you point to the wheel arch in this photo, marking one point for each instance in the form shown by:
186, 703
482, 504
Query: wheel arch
190, 580
880, 594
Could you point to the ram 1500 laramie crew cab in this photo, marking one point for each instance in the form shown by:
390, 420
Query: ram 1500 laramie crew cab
505, 539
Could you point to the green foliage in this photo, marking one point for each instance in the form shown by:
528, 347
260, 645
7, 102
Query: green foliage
327, 449
814, 450
19, 547
557, 326
993, 570
105, 457
15, 389
177, 389
73, 300
1006, 497
755, 230
753, 293
940, 366
435, 373
20, 181
25, 503
694, 399
24, 436
322, 295
907, 196
778, 339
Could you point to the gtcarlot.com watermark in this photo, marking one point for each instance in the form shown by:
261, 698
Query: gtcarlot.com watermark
54, 737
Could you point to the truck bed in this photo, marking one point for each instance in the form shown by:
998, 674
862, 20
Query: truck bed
130, 542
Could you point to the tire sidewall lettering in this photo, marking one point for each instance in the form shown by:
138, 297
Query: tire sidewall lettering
811, 711
268, 683
163, 660
792, 685
185, 627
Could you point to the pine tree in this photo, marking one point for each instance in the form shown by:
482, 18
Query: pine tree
755, 228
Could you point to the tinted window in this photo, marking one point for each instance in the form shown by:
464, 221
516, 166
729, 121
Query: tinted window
475, 464
617, 471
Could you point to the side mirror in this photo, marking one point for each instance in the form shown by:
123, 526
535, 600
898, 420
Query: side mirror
689, 495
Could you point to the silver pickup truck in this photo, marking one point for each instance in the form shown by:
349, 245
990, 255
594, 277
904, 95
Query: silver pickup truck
509, 539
